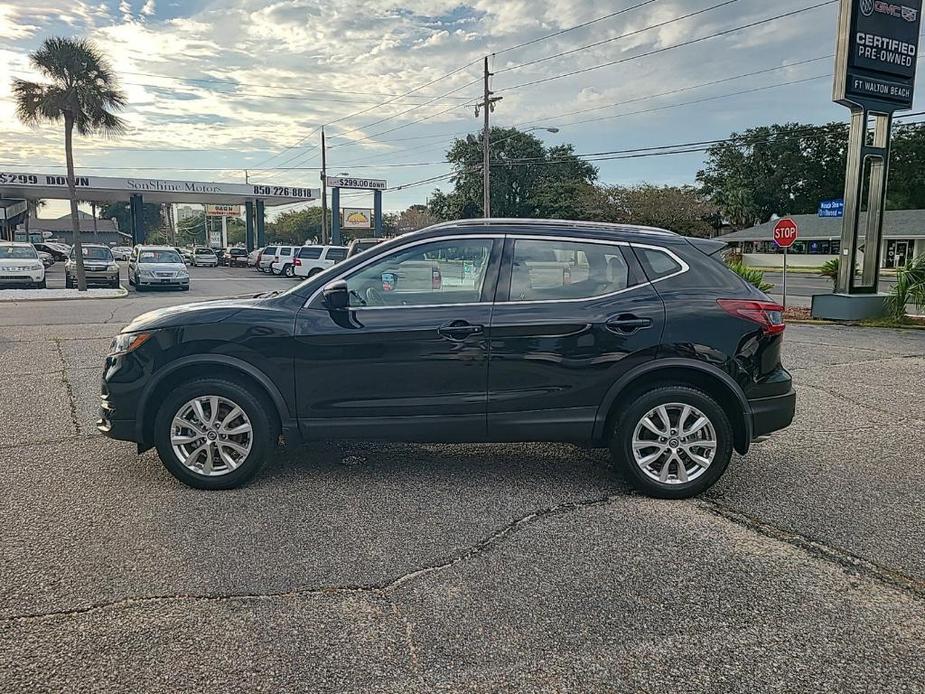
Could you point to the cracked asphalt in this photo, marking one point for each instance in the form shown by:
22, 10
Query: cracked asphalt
371, 567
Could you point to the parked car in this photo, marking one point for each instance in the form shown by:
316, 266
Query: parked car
360, 245
267, 256
253, 258
100, 268
20, 265
237, 256
157, 266
630, 338
204, 257
121, 252
310, 260
280, 263
220, 255
46, 258
55, 251
186, 254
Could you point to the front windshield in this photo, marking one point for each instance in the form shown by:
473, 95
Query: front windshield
159, 256
22, 252
96, 253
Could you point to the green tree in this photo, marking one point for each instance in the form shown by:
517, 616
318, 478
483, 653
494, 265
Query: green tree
527, 179
778, 169
681, 209
296, 227
906, 189
122, 213
82, 92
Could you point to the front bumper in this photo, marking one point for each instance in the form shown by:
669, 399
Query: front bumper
19, 279
163, 281
772, 414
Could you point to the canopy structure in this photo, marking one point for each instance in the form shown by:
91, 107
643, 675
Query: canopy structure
138, 190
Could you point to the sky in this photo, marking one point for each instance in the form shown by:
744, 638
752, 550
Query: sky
215, 87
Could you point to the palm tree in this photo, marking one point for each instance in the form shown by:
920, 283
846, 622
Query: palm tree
82, 91
32, 210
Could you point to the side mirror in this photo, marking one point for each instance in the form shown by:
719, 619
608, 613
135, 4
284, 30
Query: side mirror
336, 296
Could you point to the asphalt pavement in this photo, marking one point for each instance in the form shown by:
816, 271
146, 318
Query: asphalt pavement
363, 566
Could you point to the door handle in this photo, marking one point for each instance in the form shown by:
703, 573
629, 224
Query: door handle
459, 330
628, 324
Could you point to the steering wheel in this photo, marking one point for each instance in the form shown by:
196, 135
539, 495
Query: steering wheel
373, 296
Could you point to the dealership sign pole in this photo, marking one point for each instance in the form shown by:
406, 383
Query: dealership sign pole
875, 61
785, 233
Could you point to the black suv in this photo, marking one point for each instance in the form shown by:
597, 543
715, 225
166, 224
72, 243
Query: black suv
477, 330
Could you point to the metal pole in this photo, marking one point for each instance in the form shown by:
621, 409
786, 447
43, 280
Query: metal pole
324, 192
784, 302
486, 169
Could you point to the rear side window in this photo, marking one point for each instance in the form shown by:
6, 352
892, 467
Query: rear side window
269, 250
656, 264
336, 254
310, 253
285, 250
561, 270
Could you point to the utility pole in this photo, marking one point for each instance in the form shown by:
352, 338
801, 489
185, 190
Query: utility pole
487, 105
324, 192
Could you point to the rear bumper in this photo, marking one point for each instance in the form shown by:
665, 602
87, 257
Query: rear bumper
772, 414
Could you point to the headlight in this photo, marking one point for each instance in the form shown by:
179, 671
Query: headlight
112, 266
146, 272
37, 266
123, 343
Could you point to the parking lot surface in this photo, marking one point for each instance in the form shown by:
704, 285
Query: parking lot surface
364, 566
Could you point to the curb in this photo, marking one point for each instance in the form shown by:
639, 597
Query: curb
851, 324
4, 300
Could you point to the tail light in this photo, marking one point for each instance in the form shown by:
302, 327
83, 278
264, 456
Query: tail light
436, 279
297, 262
767, 314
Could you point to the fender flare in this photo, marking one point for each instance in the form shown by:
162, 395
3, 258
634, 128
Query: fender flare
656, 365
288, 424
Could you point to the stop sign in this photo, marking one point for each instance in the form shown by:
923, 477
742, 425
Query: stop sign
785, 233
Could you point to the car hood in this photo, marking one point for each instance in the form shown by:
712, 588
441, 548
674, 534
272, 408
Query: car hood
190, 314
17, 262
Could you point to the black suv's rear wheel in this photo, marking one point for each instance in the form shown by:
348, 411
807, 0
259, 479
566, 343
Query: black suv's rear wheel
673, 442
214, 434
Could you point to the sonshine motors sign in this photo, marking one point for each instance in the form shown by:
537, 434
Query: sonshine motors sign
878, 43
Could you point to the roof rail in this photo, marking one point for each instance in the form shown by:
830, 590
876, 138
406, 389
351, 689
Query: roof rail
503, 221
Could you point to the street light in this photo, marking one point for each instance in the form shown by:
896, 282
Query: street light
549, 130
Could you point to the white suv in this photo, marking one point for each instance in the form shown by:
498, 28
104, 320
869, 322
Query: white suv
281, 261
310, 260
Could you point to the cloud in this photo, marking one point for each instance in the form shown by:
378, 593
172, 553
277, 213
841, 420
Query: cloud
149, 8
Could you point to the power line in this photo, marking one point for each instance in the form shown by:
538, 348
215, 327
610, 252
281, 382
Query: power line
617, 38
573, 28
664, 49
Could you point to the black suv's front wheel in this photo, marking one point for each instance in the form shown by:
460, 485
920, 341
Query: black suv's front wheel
673, 442
214, 434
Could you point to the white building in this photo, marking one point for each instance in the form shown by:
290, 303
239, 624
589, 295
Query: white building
820, 240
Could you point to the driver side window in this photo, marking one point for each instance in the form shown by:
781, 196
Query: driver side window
441, 272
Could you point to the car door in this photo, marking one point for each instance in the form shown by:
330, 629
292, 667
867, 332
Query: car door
571, 316
408, 359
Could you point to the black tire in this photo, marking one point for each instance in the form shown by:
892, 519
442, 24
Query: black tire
289, 271
138, 286
43, 284
115, 284
257, 407
184, 288
621, 443
314, 271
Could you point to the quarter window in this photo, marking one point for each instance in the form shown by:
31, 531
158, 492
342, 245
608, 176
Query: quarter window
310, 253
442, 272
558, 269
656, 263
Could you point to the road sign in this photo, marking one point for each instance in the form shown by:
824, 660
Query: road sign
785, 233
832, 208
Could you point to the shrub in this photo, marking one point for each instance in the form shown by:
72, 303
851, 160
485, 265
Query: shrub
752, 275
830, 269
909, 288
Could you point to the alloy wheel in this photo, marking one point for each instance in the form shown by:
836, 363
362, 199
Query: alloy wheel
674, 443
211, 435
